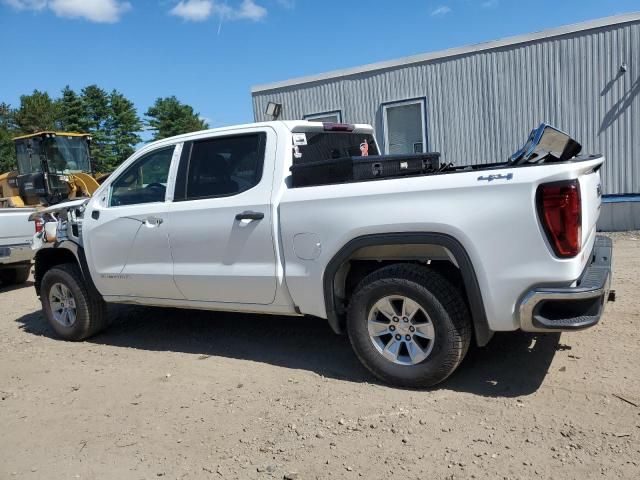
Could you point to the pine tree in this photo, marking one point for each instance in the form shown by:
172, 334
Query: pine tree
95, 103
72, 112
7, 132
168, 117
111, 119
37, 112
122, 127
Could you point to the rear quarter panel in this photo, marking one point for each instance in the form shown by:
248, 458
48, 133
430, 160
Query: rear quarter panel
495, 221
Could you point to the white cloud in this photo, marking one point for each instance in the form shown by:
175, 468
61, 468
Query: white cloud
200, 10
100, 11
194, 10
251, 11
490, 4
441, 11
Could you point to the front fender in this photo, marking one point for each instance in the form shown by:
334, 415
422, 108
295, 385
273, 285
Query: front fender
52, 254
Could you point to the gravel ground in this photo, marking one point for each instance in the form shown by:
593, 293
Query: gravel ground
190, 395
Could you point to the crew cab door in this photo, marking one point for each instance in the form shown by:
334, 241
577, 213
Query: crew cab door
220, 222
125, 230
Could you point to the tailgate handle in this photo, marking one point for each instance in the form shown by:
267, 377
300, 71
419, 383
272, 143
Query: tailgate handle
248, 215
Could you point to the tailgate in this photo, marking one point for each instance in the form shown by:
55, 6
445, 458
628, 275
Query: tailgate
591, 195
15, 227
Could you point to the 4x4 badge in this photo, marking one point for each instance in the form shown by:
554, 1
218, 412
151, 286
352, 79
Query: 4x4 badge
491, 178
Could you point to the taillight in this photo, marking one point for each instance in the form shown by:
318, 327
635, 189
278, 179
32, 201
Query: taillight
560, 211
39, 225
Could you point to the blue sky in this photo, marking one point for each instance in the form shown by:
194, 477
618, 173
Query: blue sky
210, 52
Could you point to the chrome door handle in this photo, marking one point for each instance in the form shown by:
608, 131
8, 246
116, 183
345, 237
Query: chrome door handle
153, 221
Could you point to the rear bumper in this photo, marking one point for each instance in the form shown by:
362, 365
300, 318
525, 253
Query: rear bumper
553, 309
13, 254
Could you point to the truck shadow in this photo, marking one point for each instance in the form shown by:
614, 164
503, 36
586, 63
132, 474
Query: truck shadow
511, 365
10, 288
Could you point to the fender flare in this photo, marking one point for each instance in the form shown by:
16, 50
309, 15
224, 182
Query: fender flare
49, 249
478, 314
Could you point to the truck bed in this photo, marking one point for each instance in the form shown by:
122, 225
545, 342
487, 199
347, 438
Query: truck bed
310, 175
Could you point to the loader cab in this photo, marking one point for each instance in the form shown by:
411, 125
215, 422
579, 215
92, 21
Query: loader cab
46, 160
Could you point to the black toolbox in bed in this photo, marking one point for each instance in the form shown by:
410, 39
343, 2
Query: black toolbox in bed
354, 169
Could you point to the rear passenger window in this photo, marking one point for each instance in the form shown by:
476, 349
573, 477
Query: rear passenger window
221, 167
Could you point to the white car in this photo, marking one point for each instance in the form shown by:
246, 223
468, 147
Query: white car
413, 268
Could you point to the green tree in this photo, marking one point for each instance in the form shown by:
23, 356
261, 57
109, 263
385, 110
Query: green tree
122, 126
37, 112
95, 103
7, 132
71, 111
168, 117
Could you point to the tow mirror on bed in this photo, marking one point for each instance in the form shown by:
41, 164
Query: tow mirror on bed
546, 143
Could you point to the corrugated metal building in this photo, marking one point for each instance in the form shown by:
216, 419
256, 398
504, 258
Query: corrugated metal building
477, 104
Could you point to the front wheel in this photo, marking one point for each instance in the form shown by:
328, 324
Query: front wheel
73, 312
408, 325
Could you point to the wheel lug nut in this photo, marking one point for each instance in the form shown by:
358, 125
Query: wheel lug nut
398, 337
392, 328
412, 328
408, 337
405, 319
396, 319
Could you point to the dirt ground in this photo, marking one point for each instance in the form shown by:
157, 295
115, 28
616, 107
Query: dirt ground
189, 395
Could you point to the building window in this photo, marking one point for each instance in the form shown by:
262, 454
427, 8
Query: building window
325, 117
404, 127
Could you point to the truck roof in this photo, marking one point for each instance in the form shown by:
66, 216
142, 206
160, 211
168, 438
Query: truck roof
291, 125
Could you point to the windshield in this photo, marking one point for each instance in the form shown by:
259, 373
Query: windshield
28, 156
67, 154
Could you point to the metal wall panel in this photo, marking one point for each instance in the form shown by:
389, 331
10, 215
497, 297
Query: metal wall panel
482, 105
619, 216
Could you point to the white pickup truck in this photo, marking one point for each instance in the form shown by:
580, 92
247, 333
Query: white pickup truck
413, 268
15, 249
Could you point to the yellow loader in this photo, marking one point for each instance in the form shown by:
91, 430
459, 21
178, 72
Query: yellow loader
52, 167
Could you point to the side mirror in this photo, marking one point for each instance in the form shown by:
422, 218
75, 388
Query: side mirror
546, 141
557, 143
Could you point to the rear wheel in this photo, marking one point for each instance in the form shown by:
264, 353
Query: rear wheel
15, 276
408, 325
71, 310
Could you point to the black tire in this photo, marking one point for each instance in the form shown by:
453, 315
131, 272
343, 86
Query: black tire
15, 276
91, 311
441, 301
